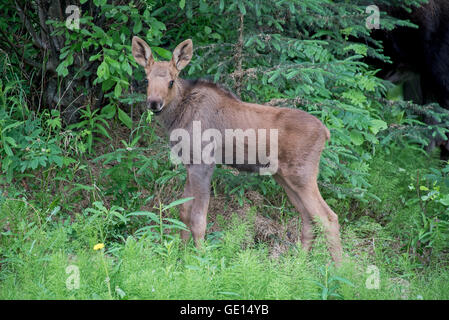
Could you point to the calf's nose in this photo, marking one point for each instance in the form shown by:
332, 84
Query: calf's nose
154, 105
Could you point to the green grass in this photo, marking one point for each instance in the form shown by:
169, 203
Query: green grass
233, 268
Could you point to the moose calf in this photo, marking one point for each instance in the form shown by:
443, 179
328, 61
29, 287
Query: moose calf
299, 139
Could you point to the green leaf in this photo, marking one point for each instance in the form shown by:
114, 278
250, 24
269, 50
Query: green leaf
377, 125
11, 141
107, 84
274, 76
357, 138
11, 126
95, 57
8, 150
124, 118
62, 70
118, 90
103, 71
34, 163
120, 216
242, 7
148, 214
137, 26
162, 52
99, 3
109, 111
177, 224
337, 278
102, 130
445, 201
176, 203
58, 160
127, 68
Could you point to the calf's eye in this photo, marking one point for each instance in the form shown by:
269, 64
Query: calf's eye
170, 84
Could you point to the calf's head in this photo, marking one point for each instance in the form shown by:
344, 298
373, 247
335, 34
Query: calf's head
161, 76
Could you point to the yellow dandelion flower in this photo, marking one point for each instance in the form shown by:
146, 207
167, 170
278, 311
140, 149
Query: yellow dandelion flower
98, 246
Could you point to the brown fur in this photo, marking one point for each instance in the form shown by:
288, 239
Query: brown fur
301, 139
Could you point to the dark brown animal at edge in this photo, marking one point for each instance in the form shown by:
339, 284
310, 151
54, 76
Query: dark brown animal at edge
301, 139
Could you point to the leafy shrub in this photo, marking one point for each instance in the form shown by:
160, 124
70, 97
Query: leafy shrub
24, 145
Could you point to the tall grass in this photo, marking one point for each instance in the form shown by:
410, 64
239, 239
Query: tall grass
233, 268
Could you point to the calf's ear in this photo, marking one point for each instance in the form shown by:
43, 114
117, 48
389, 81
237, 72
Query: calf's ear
182, 54
142, 52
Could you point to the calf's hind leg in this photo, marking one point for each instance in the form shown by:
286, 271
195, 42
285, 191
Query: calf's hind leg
307, 235
318, 211
199, 185
186, 209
